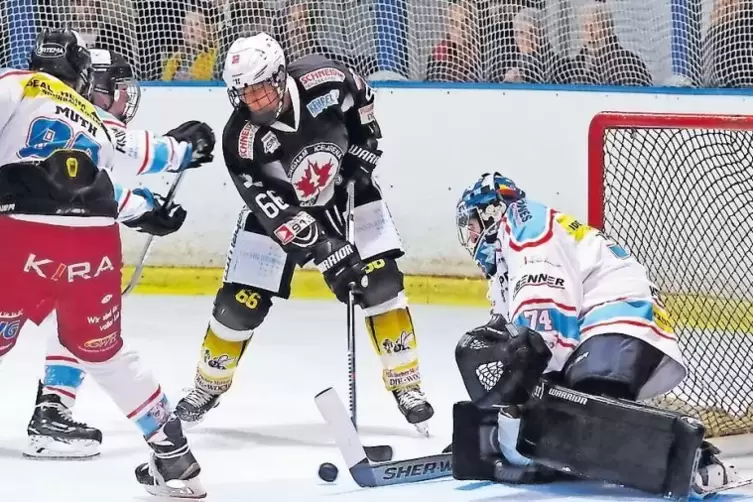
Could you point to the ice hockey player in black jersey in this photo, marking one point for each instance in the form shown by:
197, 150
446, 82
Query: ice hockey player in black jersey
297, 134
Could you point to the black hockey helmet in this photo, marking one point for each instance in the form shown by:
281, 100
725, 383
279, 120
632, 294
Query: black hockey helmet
115, 88
63, 54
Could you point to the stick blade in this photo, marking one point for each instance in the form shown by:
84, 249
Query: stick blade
399, 472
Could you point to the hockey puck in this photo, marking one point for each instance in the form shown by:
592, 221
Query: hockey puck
328, 472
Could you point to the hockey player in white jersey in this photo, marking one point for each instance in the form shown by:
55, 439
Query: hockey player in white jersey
570, 305
53, 433
62, 245
117, 92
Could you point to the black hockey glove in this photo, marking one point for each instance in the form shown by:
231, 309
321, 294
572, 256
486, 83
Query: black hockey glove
341, 266
201, 138
163, 219
365, 159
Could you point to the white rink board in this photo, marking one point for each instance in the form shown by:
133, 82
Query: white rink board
436, 142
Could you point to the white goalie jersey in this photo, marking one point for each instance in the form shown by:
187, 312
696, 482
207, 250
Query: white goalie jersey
570, 282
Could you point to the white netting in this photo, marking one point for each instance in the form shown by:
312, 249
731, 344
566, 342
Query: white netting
681, 201
620, 42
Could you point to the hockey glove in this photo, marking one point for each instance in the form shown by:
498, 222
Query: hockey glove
365, 159
163, 219
201, 138
342, 268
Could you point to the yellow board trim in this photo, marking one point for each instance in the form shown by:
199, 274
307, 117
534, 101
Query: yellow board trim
696, 311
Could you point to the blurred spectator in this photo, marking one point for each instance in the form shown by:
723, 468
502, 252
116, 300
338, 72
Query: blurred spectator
458, 56
602, 58
728, 46
97, 29
194, 59
159, 27
298, 34
537, 62
243, 18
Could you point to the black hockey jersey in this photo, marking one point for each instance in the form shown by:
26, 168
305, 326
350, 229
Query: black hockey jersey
299, 162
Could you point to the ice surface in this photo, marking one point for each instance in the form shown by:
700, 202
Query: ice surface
267, 439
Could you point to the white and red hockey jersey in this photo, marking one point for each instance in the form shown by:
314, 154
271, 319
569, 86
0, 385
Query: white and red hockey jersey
40, 114
570, 282
143, 152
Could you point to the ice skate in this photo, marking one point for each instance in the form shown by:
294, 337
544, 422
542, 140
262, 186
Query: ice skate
172, 470
194, 406
413, 405
714, 476
53, 434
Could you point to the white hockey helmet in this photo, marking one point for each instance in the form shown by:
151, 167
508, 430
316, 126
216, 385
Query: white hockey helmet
255, 74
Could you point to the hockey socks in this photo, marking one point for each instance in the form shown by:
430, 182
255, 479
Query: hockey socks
218, 362
393, 339
63, 374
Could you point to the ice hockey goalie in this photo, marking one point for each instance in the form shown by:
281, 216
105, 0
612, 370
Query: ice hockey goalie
577, 338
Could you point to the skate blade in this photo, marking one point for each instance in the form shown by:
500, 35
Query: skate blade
47, 448
422, 428
702, 494
178, 489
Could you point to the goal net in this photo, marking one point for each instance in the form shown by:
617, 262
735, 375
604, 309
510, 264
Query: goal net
677, 192
696, 43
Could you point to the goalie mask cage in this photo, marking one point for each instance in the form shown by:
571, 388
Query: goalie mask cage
677, 192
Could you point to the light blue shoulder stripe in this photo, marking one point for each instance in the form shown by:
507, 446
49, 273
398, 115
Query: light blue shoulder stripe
528, 221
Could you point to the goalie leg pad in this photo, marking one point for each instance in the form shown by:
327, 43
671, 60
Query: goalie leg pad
476, 451
614, 441
612, 364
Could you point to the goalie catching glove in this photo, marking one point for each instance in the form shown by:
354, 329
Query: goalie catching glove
162, 219
201, 139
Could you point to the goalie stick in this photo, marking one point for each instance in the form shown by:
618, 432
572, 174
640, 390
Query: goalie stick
381, 452
147, 246
362, 470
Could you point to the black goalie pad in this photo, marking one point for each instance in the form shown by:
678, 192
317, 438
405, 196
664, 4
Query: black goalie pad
476, 452
614, 441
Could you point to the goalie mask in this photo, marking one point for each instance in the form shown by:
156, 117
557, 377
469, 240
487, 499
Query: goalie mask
256, 75
479, 212
116, 89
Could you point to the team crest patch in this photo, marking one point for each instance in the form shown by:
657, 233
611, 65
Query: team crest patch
318, 105
270, 142
313, 171
246, 141
321, 76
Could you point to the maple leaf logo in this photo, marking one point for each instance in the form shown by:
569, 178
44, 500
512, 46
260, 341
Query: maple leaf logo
322, 173
314, 177
306, 185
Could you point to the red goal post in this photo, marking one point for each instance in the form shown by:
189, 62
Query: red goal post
677, 191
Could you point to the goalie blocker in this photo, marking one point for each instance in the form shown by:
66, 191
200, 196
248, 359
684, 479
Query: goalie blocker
568, 433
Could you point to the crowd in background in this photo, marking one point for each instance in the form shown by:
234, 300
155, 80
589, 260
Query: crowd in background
461, 40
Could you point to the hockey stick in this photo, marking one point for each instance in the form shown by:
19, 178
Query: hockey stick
147, 246
381, 452
364, 472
